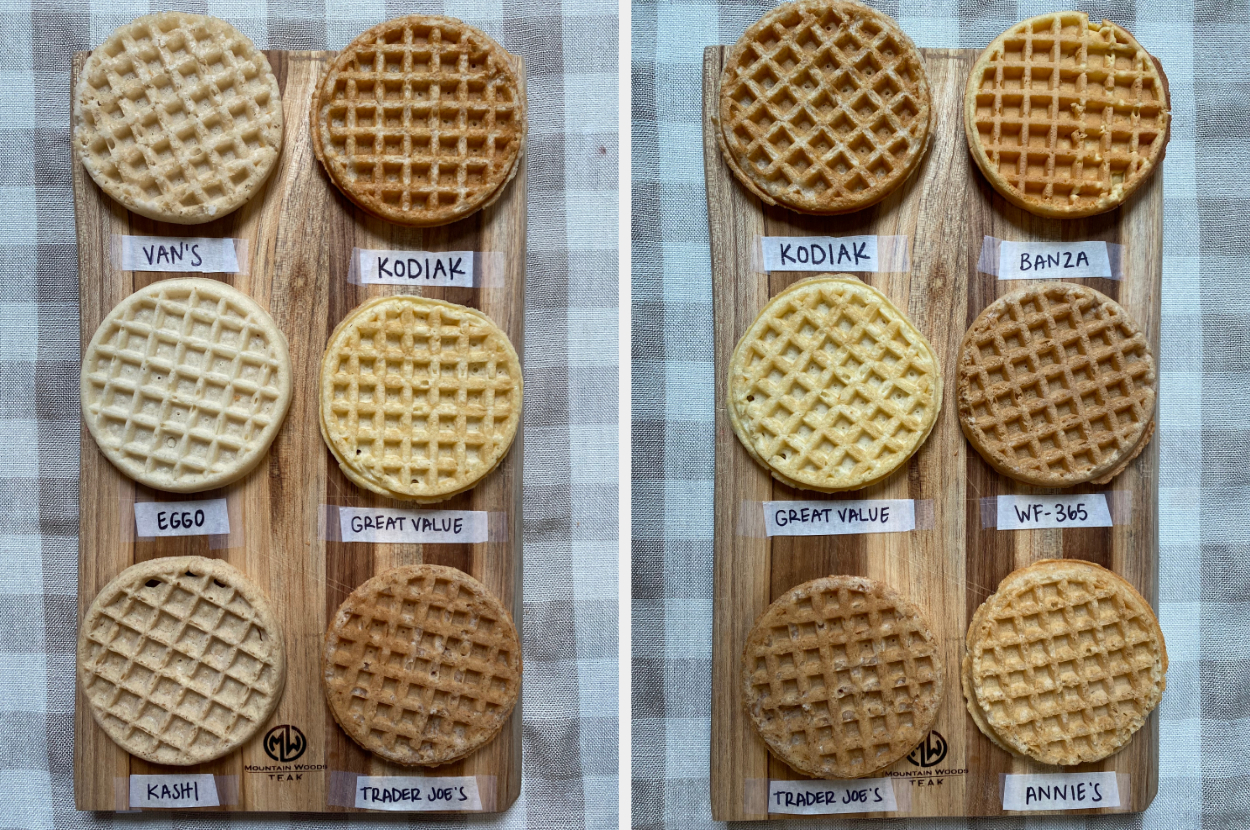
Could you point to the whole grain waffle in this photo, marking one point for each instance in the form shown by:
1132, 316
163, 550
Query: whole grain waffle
832, 388
420, 398
1066, 662
185, 384
421, 120
824, 107
1056, 386
422, 666
842, 677
180, 660
177, 117
1066, 117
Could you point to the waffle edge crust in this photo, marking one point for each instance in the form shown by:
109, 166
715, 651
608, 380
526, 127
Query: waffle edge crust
824, 107
1100, 132
181, 660
842, 677
422, 665
1064, 663
178, 117
458, 158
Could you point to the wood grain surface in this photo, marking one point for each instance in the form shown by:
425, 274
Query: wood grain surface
300, 233
947, 208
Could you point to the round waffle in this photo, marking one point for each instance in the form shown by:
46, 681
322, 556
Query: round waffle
420, 398
180, 660
824, 107
421, 120
842, 677
832, 388
422, 666
177, 117
1066, 117
185, 385
1056, 386
1065, 662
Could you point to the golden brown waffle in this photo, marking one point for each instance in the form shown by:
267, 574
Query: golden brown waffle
842, 677
1066, 117
824, 107
185, 384
1066, 661
422, 666
421, 120
832, 388
180, 660
1056, 386
178, 117
420, 398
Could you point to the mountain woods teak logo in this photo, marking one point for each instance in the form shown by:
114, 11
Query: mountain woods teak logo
286, 743
930, 752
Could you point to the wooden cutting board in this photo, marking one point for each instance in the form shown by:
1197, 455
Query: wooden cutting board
947, 208
300, 233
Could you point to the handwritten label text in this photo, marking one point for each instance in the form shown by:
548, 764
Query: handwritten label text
417, 794
820, 253
816, 798
1053, 260
173, 791
386, 525
1061, 791
1030, 512
451, 268
158, 253
181, 518
837, 518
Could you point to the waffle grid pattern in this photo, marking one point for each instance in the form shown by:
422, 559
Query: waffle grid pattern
423, 667
1057, 384
422, 398
825, 105
833, 387
179, 666
841, 680
1070, 115
1066, 668
422, 119
185, 384
178, 117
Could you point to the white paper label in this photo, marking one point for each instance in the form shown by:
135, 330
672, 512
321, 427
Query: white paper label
1053, 260
449, 268
181, 518
173, 791
381, 524
160, 253
1029, 512
820, 253
417, 794
838, 518
818, 798
1061, 791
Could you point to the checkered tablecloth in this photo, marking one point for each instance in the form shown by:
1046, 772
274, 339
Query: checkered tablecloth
570, 616
1204, 417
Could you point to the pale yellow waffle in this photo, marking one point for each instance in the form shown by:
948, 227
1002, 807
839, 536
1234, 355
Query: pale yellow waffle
842, 677
181, 660
1066, 117
832, 388
824, 107
420, 398
421, 120
1065, 662
421, 665
1056, 386
177, 116
185, 384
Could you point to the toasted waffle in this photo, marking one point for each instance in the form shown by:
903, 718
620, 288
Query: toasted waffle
824, 107
842, 677
420, 398
1065, 662
180, 660
832, 388
1066, 117
185, 385
1056, 386
178, 117
422, 666
421, 120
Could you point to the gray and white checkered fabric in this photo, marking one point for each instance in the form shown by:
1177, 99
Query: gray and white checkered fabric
570, 620
1204, 417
